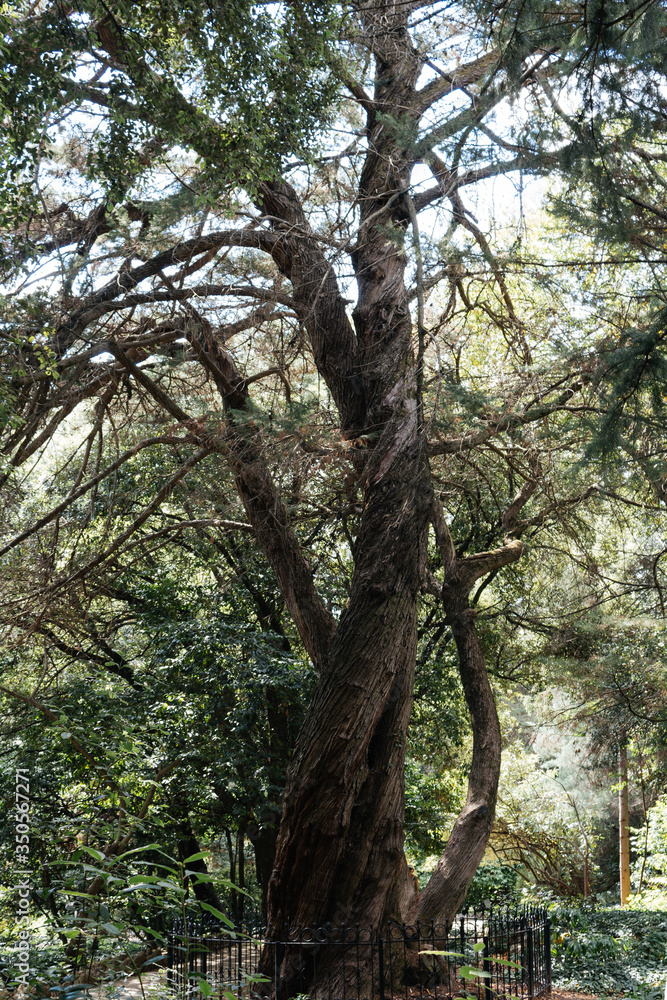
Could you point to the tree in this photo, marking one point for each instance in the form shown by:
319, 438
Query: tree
229, 103
164, 713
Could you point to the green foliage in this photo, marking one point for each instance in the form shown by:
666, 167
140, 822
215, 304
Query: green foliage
193, 106
610, 951
650, 866
495, 883
634, 375
113, 903
239, 85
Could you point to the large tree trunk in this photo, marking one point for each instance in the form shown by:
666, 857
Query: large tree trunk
339, 853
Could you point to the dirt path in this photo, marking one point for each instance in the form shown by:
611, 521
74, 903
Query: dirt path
130, 988
154, 988
568, 995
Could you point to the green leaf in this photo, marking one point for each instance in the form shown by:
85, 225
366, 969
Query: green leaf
197, 857
447, 954
138, 850
97, 871
468, 972
114, 929
505, 961
96, 855
216, 913
236, 888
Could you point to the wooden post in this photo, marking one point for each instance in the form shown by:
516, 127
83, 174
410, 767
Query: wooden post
623, 823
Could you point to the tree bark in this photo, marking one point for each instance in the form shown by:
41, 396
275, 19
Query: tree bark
467, 842
339, 855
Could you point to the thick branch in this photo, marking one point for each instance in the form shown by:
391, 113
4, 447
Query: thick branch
465, 848
268, 516
258, 239
473, 567
142, 378
319, 301
204, 290
459, 79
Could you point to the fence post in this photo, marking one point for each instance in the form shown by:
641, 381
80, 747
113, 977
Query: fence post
381, 967
276, 969
486, 967
170, 958
522, 949
531, 966
547, 951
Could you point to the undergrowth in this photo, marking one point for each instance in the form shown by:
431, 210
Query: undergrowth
610, 952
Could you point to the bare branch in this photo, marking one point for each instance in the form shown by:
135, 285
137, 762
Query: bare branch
125, 281
451, 446
142, 378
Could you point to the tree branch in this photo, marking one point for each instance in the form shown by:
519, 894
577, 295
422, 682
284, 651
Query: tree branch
458, 79
125, 281
110, 469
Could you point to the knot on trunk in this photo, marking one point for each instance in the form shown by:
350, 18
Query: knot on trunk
475, 812
459, 617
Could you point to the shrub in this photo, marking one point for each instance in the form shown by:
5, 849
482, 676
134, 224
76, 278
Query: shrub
610, 951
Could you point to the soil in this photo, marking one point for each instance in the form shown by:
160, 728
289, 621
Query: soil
567, 995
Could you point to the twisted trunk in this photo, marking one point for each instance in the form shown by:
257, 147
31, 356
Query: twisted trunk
467, 842
339, 854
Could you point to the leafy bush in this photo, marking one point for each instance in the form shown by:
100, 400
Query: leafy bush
493, 883
610, 951
650, 868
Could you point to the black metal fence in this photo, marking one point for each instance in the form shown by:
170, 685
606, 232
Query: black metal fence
488, 954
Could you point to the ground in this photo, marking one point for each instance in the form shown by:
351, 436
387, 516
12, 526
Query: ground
568, 995
130, 989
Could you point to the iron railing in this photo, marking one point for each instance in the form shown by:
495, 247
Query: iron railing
507, 953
